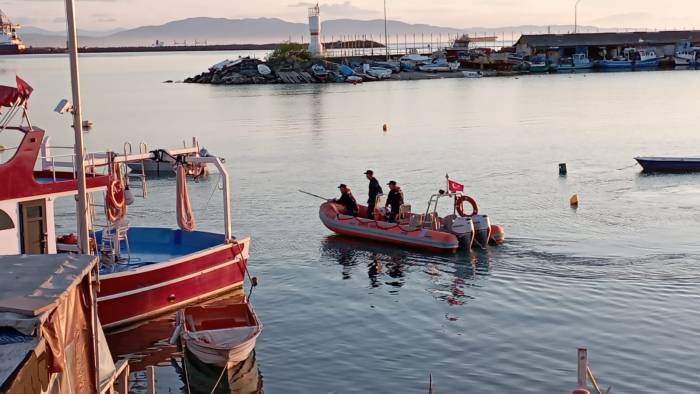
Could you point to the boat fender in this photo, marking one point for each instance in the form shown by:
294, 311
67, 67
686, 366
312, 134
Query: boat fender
459, 206
498, 234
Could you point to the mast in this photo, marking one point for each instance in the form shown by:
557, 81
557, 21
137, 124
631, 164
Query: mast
386, 38
83, 234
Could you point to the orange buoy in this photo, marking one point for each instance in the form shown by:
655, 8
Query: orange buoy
573, 201
498, 234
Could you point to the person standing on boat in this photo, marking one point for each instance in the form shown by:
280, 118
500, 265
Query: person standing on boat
347, 200
394, 201
374, 191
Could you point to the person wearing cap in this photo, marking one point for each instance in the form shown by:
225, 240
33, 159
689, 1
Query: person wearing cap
347, 200
374, 191
394, 201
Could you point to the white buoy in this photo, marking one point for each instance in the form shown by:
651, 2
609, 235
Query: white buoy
315, 30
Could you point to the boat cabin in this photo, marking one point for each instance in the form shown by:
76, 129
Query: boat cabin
28, 195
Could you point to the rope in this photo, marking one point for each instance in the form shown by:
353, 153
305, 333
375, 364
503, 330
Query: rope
213, 190
624, 168
218, 380
184, 366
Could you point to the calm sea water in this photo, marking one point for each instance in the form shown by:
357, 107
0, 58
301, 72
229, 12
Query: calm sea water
618, 275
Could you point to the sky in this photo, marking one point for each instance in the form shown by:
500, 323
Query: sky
111, 14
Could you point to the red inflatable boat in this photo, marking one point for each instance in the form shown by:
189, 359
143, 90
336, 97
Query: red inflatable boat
426, 231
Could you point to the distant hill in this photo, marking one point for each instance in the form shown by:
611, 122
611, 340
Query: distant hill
259, 30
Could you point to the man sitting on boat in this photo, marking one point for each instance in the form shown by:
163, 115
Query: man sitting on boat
374, 191
394, 201
347, 200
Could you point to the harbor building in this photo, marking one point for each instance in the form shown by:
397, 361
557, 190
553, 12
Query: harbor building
598, 45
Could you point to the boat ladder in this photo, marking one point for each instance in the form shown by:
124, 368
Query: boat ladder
138, 171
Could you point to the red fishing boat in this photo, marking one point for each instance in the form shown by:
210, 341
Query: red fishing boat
145, 271
427, 231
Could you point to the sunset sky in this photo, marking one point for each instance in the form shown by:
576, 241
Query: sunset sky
110, 14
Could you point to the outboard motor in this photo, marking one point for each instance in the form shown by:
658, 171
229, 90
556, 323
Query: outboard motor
482, 227
463, 228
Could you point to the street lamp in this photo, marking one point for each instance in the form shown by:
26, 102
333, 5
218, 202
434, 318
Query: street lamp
576, 16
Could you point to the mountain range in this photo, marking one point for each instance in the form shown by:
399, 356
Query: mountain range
261, 30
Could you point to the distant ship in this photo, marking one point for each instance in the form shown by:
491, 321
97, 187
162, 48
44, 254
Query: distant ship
10, 43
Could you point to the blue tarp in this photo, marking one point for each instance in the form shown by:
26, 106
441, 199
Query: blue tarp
345, 70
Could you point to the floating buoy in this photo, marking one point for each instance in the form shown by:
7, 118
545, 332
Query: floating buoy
562, 169
580, 391
573, 201
385, 127
498, 234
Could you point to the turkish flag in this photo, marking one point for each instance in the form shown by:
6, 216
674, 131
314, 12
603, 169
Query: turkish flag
455, 186
23, 88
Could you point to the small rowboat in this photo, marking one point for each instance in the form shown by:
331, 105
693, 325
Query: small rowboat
677, 165
219, 335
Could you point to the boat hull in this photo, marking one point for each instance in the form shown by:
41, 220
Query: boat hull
391, 233
626, 64
141, 293
671, 165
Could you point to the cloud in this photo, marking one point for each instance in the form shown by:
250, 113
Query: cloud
345, 9
106, 20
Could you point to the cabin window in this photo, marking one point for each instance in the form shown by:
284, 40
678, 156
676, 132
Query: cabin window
6, 222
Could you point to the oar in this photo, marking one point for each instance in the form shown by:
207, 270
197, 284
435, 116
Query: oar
314, 195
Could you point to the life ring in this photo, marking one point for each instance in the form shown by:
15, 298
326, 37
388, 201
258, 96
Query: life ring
115, 204
459, 206
115, 194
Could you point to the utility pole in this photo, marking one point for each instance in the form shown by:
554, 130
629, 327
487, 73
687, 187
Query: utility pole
576, 16
386, 37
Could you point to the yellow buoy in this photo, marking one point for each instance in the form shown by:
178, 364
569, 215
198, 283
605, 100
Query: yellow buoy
574, 200
385, 127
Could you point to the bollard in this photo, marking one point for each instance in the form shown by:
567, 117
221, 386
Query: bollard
562, 169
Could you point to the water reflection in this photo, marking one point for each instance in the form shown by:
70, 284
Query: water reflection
148, 344
450, 277
204, 378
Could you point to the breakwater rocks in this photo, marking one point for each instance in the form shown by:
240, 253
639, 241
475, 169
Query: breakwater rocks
245, 71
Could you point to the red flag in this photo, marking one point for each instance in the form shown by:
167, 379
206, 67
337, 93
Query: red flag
455, 186
23, 88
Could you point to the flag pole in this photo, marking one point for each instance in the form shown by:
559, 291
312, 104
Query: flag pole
83, 234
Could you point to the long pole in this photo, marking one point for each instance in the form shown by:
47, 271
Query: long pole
83, 236
386, 37
576, 16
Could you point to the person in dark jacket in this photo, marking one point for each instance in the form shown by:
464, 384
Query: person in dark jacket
374, 191
347, 200
394, 201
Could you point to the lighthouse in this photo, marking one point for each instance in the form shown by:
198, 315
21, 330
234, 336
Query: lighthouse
315, 30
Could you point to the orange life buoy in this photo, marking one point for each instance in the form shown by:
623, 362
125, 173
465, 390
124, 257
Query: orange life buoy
115, 204
459, 206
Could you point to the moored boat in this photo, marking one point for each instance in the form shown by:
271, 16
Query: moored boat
578, 61
145, 271
632, 58
677, 165
219, 335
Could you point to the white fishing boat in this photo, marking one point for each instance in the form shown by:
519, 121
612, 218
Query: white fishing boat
219, 335
686, 54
